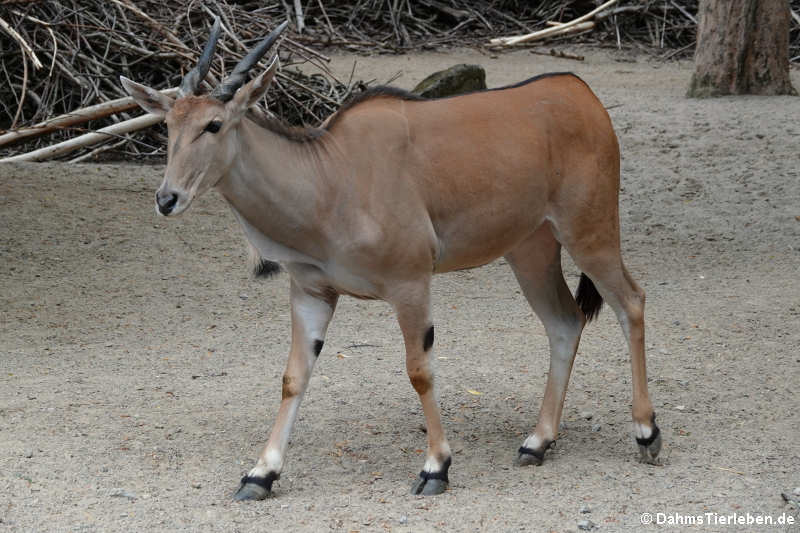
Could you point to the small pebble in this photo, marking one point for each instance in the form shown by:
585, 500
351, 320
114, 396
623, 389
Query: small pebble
121, 493
585, 509
28, 454
796, 491
403, 520
586, 525
196, 485
680, 407
587, 415
596, 427
243, 296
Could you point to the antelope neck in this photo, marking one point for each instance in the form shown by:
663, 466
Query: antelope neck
278, 188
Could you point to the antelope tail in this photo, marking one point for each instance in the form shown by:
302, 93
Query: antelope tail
589, 300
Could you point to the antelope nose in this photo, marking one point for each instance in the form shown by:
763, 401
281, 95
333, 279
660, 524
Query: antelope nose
166, 202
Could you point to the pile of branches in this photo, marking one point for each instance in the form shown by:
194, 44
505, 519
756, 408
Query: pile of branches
407, 25
64, 55
664, 28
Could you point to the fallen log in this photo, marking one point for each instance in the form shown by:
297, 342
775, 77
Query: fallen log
558, 53
550, 32
88, 139
79, 116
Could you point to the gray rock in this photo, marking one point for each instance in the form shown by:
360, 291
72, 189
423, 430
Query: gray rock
596, 427
457, 79
586, 525
585, 509
122, 493
403, 520
587, 415
793, 498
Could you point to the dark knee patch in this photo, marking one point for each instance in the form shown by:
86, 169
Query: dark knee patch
421, 384
289, 388
318, 347
428, 342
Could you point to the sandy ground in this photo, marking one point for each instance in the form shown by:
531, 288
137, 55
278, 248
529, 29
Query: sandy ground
140, 366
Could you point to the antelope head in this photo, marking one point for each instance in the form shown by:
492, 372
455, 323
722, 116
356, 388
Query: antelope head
202, 129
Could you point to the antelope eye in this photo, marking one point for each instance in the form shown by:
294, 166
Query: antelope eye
213, 126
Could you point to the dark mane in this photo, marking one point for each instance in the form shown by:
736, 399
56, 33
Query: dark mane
279, 127
533, 79
369, 94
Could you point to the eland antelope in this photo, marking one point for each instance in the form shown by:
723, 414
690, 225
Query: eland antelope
392, 189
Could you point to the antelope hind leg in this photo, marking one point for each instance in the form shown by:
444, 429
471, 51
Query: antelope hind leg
536, 263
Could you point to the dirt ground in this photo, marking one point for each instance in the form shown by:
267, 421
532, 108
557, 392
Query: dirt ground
140, 366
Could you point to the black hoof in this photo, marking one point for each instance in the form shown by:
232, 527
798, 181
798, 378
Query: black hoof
255, 488
432, 483
429, 487
529, 456
650, 447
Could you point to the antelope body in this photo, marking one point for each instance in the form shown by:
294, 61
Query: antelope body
393, 189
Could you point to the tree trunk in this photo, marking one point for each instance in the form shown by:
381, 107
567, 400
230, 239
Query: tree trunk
742, 48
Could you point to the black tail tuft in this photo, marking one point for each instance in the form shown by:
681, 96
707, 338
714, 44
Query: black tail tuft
589, 300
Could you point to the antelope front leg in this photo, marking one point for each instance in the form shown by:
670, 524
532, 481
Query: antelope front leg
413, 314
310, 318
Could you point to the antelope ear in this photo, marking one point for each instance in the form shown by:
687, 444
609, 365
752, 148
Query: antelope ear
249, 94
148, 99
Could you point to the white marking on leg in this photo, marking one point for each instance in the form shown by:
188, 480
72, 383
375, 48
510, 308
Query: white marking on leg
432, 464
533, 443
274, 460
260, 471
642, 431
314, 315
